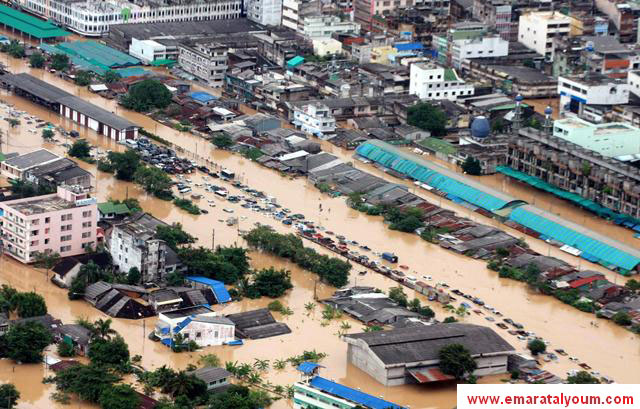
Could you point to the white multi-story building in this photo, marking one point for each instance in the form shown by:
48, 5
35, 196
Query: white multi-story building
199, 324
482, 47
93, 17
206, 61
133, 243
294, 12
325, 26
536, 30
148, 51
576, 93
265, 12
315, 118
429, 81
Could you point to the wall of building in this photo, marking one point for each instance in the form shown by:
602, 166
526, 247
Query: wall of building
430, 83
364, 359
537, 30
207, 334
147, 50
265, 12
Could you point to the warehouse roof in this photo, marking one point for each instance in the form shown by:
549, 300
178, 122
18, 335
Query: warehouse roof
31, 159
350, 394
423, 343
30, 25
53, 94
182, 29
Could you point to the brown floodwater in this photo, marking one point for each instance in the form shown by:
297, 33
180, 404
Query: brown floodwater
606, 347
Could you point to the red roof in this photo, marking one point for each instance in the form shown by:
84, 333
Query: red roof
62, 365
584, 281
146, 402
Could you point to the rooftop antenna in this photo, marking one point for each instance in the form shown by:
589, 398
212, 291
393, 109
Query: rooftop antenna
517, 117
548, 121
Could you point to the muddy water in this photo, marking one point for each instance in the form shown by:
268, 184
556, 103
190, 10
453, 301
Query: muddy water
603, 347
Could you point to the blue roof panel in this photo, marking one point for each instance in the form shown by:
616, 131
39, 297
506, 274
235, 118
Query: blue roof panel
352, 395
308, 367
218, 288
408, 46
202, 96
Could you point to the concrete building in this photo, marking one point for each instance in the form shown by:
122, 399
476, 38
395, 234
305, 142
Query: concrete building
199, 324
410, 354
498, 14
623, 15
148, 51
214, 378
429, 81
610, 139
314, 118
60, 172
207, 61
326, 26
133, 243
93, 18
324, 47
481, 47
536, 30
64, 222
609, 183
365, 10
578, 92
317, 392
18, 166
295, 11
265, 12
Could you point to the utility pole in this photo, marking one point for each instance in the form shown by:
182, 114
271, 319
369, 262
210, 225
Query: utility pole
213, 239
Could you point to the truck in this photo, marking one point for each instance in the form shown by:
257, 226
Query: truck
390, 257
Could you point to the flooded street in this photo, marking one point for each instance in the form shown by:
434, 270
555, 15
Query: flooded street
607, 348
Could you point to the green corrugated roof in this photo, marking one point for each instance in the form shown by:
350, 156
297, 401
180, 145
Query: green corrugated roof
438, 145
450, 75
507, 106
162, 62
29, 24
110, 207
295, 61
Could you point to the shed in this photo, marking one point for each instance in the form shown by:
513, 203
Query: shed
218, 288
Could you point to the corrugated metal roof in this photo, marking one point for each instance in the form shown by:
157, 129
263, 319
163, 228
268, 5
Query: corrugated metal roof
418, 169
408, 46
218, 288
352, 395
604, 252
29, 24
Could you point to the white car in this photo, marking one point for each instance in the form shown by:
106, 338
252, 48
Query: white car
411, 278
227, 210
427, 278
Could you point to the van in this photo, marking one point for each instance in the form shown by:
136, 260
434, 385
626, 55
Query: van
131, 143
390, 257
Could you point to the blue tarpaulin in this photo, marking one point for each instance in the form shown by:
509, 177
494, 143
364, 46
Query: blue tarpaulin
408, 46
352, 395
218, 288
308, 367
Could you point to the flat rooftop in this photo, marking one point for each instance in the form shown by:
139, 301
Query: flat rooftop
144, 31
31, 159
610, 128
41, 204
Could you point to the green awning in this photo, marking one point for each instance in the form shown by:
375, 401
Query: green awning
157, 63
295, 61
30, 25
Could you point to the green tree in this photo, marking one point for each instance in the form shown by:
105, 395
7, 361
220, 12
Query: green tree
583, 377
398, 295
16, 50
227, 264
450, 320
21, 189
60, 62
124, 164
622, 318
46, 259
83, 78
102, 330
146, 95
184, 384
29, 304
80, 149
9, 396
471, 166
497, 126
109, 352
134, 276
536, 346
36, 60
119, 397
455, 360
633, 285
174, 235
222, 140
13, 122
271, 282
111, 76
240, 397
426, 116
153, 180
25, 342
86, 381
261, 364
48, 134
209, 360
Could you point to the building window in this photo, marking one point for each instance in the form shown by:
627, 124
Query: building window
86, 214
66, 227
65, 238
86, 234
46, 241
86, 224
64, 249
47, 219
66, 217
35, 232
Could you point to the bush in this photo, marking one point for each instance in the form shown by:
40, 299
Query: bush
80, 149
60, 62
66, 350
146, 95
272, 283
536, 346
36, 60
275, 306
622, 318
186, 204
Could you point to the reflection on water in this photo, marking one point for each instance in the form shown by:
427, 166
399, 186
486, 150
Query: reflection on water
609, 349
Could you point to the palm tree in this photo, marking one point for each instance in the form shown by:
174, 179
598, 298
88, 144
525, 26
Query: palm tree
244, 370
310, 306
449, 307
209, 360
231, 367
180, 384
261, 364
290, 391
345, 326
279, 389
102, 329
280, 364
254, 378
